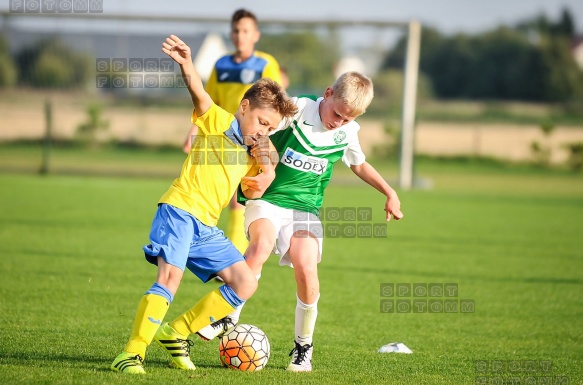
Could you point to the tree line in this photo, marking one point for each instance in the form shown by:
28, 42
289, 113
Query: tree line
45, 64
530, 61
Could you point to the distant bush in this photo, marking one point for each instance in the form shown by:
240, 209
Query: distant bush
8, 71
88, 131
388, 92
51, 64
575, 161
530, 62
298, 50
50, 71
542, 151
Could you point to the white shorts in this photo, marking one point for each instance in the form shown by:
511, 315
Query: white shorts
286, 223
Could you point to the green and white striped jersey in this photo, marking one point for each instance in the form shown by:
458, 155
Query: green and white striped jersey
307, 153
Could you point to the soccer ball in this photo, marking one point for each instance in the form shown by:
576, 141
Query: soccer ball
245, 348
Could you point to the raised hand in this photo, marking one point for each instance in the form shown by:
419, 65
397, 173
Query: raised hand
180, 52
177, 50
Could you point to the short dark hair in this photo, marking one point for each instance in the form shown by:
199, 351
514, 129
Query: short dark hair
241, 14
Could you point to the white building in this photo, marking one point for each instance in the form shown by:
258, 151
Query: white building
577, 51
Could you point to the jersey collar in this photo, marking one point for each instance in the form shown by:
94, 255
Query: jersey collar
234, 133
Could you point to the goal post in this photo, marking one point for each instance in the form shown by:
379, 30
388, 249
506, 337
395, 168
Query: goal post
409, 105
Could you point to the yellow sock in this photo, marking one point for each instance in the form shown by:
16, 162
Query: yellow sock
151, 312
212, 307
236, 229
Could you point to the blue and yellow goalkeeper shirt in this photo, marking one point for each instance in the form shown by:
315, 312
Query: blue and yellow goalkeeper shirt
217, 161
230, 80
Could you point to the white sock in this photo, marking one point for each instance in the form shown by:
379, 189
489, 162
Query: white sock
305, 321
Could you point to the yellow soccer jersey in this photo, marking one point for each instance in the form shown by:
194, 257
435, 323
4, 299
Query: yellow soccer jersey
217, 161
230, 80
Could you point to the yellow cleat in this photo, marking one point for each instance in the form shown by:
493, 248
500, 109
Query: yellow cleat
176, 345
128, 363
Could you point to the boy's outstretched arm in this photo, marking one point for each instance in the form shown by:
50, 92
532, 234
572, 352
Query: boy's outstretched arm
180, 52
367, 173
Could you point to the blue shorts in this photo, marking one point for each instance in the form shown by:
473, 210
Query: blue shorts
185, 242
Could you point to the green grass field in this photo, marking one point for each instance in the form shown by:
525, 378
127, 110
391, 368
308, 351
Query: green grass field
73, 273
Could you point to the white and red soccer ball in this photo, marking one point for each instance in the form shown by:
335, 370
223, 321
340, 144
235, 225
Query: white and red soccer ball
244, 348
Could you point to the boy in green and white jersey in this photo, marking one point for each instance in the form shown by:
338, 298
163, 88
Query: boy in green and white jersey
285, 219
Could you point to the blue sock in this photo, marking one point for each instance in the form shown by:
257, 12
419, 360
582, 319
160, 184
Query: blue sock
161, 291
230, 296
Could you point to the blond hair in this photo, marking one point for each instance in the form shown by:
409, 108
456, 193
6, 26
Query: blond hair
354, 90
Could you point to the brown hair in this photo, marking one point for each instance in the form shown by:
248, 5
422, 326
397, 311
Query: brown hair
243, 13
268, 94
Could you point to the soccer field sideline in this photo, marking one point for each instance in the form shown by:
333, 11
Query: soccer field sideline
74, 272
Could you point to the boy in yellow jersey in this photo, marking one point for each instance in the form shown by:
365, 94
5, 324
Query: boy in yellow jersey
232, 75
184, 232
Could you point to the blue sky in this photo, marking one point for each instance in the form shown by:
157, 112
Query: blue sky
449, 16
